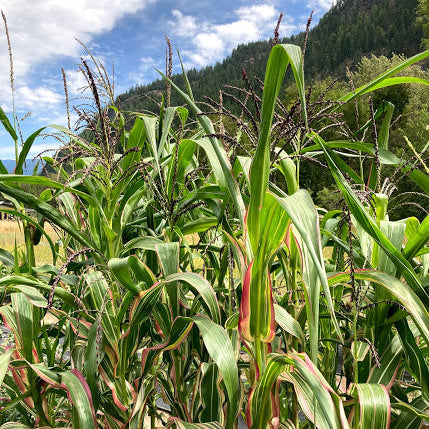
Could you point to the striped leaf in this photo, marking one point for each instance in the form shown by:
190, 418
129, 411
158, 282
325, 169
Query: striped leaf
317, 400
374, 406
23, 280
14, 425
199, 286
304, 217
288, 323
370, 226
32, 294
4, 363
80, 395
220, 349
184, 425
416, 362
401, 291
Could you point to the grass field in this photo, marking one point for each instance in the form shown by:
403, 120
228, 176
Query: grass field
11, 233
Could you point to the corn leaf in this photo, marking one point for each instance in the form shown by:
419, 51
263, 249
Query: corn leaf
24, 151
403, 293
374, 406
14, 425
304, 217
4, 363
80, 395
370, 226
418, 240
7, 125
222, 158
288, 323
220, 349
184, 425
200, 286
256, 310
317, 400
383, 81
280, 57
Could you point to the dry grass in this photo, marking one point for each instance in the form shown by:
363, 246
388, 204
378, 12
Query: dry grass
11, 232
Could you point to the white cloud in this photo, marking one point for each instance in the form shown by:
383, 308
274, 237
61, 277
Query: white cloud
35, 98
43, 30
211, 42
188, 24
76, 82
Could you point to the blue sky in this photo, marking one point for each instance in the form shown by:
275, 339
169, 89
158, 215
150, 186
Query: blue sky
127, 33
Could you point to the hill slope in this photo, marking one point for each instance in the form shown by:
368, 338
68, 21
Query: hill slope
350, 30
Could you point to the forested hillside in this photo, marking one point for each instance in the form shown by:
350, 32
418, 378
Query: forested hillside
350, 30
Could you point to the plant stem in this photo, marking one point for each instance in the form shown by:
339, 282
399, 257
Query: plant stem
260, 354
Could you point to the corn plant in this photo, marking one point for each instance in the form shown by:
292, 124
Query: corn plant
202, 282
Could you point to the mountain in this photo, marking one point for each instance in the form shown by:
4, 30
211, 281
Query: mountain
350, 30
29, 165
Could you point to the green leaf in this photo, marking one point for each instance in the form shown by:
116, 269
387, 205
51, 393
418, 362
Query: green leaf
316, 398
7, 258
383, 81
177, 171
120, 268
409, 417
374, 406
32, 294
256, 309
418, 240
80, 395
222, 160
143, 243
288, 323
24, 151
20, 280
385, 374
200, 286
184, 425
404, 294
4, 363
280, 57
417, 364
38, 227
48, 211
386, 157
168, 254
7, 125
304, 217
220, 349
14, 425
370, 226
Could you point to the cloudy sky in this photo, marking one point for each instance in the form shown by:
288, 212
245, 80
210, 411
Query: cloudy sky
126, 33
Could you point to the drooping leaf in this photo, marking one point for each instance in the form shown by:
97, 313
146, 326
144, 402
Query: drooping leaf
403, 293
288, 323
317, 400
370, 226
383, 80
